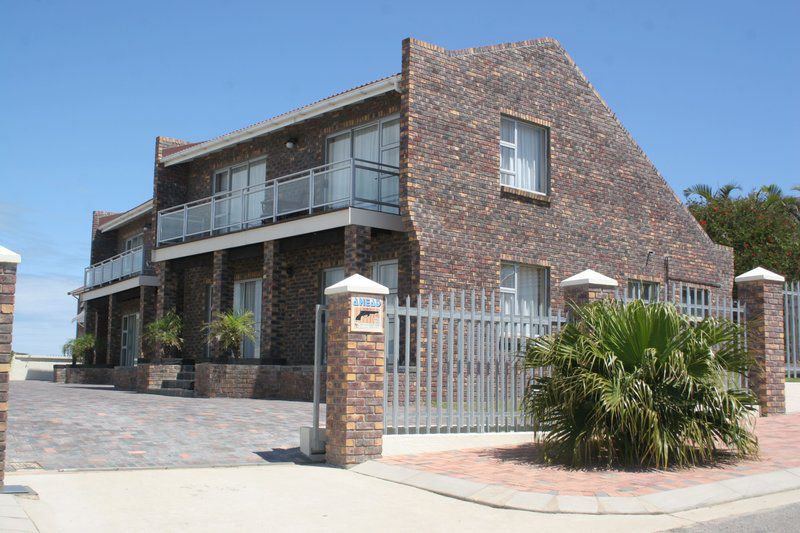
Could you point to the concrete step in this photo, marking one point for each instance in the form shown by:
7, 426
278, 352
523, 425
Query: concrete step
186, 375
183, 393
187, 384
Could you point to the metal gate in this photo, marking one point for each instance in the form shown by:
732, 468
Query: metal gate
454, 363
791, 316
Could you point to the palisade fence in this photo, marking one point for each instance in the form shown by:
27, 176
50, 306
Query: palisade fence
791, 316
454, 361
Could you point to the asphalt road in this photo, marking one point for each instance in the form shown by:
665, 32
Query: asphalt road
782, 519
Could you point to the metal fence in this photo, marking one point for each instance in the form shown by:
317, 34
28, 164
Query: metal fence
791, 315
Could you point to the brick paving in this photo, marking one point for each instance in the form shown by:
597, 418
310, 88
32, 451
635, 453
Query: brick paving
518, 468
54, 426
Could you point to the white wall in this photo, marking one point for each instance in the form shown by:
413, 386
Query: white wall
36, 367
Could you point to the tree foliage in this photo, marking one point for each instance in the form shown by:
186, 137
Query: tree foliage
79, 348
762, 227
640, 385
165, 333
230, 330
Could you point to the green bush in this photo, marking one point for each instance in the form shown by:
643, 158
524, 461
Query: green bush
640, 385
79, 348
165, 333
230, 329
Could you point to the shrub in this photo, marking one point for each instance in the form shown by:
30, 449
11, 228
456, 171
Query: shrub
640, 385
79, 348
230, 329
165, 333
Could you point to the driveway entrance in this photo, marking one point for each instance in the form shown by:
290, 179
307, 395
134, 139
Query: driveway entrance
54, 426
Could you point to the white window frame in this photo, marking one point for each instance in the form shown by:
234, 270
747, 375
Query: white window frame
513, 146
351, 131
124, 348
128, 246
635, 290
543, 305
228, 172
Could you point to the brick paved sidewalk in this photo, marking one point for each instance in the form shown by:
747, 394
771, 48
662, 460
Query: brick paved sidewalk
54, 426
511, 476
517, 466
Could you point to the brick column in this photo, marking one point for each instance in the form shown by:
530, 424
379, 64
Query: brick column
268, 277
114, 330
762, 293
167, 294
222, 292
586, 287
356, 250
8, 281
354, 388
147, 314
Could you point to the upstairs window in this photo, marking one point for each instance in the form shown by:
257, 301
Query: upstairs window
643, 290
134, 242
240, 176
523, 155
523, 289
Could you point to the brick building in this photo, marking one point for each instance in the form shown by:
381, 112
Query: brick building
497, 167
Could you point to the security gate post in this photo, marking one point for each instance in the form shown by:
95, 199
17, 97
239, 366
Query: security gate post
8, 279
356, 365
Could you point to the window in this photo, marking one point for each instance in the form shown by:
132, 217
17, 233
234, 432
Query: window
385, 273
695, 301
643, 290
524, 289
240, 176
134, 242
247, 297
523, 155
129, 339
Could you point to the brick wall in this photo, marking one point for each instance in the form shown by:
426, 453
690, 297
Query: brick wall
8, 283
607, 206
60, 373
273, 382
150, 376
88, 375
124, 378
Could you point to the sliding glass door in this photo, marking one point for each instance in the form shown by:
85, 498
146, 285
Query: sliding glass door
129, 340
247, 297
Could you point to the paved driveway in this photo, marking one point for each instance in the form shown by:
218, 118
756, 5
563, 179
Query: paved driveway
54, 426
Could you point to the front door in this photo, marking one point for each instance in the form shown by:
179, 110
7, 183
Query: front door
247, 297
129, 340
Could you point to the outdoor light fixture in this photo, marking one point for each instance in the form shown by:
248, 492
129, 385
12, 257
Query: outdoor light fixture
291, 143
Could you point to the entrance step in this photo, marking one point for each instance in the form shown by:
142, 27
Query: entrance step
187, 384
183, 393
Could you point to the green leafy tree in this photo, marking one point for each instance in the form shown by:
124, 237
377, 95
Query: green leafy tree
79, 348
164, 334
230, 330
762, 227
640, 385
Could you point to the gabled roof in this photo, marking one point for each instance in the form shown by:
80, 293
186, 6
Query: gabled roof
113, 222
181, 154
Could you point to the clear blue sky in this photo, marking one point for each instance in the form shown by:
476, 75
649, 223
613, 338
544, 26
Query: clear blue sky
708, 89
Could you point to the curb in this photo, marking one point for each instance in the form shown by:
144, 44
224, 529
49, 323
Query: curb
665, 502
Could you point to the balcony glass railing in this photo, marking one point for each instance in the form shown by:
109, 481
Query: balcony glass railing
348, 183
115, 268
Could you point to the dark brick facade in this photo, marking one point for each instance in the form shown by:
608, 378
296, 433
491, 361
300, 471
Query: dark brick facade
607, 205
278, 382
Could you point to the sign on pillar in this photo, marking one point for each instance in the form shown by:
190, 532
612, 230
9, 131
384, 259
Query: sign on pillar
356, 365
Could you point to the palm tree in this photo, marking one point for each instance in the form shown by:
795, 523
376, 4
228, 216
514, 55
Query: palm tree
231, 329
640, 385
708, 194
79, 348
165, 333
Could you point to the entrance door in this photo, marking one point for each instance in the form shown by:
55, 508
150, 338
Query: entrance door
129, 340
247, 297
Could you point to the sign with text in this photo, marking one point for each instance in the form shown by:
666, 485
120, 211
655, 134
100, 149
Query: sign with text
366, 314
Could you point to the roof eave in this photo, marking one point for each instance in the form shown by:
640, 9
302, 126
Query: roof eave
304, 113
127, 216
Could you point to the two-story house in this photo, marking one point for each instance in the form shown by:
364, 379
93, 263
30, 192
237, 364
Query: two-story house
498, 167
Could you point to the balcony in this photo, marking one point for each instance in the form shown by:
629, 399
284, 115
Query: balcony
348, 183
120, 266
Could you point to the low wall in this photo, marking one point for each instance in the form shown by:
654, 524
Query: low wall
60, 373
35, 367
87, 375
273, 382
150, 376
124, 377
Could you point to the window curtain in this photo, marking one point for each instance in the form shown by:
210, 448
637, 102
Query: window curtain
530, 156
528, 292
335, 187
366, 147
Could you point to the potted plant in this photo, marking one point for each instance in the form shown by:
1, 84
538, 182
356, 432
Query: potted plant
230, 329
79, 348
164, 334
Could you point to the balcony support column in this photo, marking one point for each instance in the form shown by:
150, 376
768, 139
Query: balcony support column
222, 291
269, 276
114, 330
147, 314
357, 250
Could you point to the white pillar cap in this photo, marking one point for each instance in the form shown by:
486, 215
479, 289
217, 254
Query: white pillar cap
759, 274
356, 283
589, 278
7, 256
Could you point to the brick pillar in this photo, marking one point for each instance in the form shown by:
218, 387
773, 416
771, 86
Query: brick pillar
222, 292
355, 373
268, 278
147, 314
356, 250
114, 330
586, 287
762, 293
8, 281
167, 294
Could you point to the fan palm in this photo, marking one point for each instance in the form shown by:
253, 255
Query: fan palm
230, 329
165, 333
640, 385
79, 348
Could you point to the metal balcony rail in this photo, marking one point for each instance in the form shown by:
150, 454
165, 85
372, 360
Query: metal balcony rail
347, 183
120, 266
